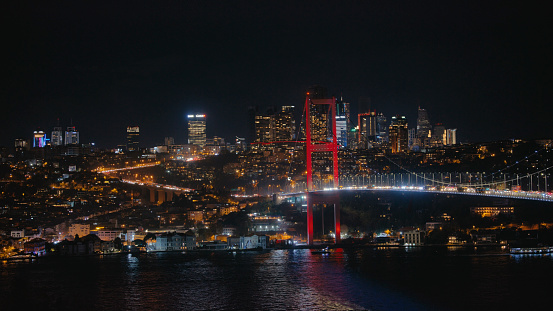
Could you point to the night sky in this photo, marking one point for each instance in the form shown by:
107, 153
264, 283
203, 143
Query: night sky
484, 68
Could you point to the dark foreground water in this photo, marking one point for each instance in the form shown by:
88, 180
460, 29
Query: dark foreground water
373, 279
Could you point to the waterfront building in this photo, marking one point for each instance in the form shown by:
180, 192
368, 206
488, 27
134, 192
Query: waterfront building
175, 242
133, 138
35, 247
413, 237
197, 130
254, 241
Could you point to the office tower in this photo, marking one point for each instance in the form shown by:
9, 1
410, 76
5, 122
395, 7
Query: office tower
318, 115
398, 134
342, 131
21, 145
423, 127
169, 141
57, 136
39, 139
367, 128
133, 138
412, 142
197, 130
438, 136
451, 137
283, 125
343, 124
382, 128
71, 136
262, 128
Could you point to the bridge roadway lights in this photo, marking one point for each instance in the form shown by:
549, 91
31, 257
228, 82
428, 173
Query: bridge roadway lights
323, 198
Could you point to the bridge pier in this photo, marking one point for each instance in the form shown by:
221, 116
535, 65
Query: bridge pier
318, 198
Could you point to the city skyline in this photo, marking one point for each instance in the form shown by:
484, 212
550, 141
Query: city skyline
480, 68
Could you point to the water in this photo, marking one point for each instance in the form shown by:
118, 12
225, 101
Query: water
371, 279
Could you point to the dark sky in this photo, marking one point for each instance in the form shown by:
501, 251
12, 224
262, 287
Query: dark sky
484, 68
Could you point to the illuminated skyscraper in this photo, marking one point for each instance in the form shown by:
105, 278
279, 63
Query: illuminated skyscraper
451, 137
342, 131
399, 134
423, 127
438, 137
197, 130
318, 115
367, 128
57, 136
71, 136
283, 125
262, 128
39, 139
133, 138
381, 128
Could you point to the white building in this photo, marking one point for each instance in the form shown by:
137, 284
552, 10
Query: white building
413, 237
174, 242
254, 241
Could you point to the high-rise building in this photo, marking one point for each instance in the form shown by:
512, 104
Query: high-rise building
71, 136
318, 115
398, 134
423, 127
342, 131
412, 136
438, 136
451, 137
367, 128
262, 128
133, 138
21, 145
197, 130
283, 125
169, 141
57, 136
381, 128
343, 123
39, 139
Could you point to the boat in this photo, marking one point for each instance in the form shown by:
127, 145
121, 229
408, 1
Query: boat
325, 250
531, 250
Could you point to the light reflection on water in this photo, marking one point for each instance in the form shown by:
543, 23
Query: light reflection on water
376, 279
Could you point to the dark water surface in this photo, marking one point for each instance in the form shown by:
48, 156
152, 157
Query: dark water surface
372, 279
